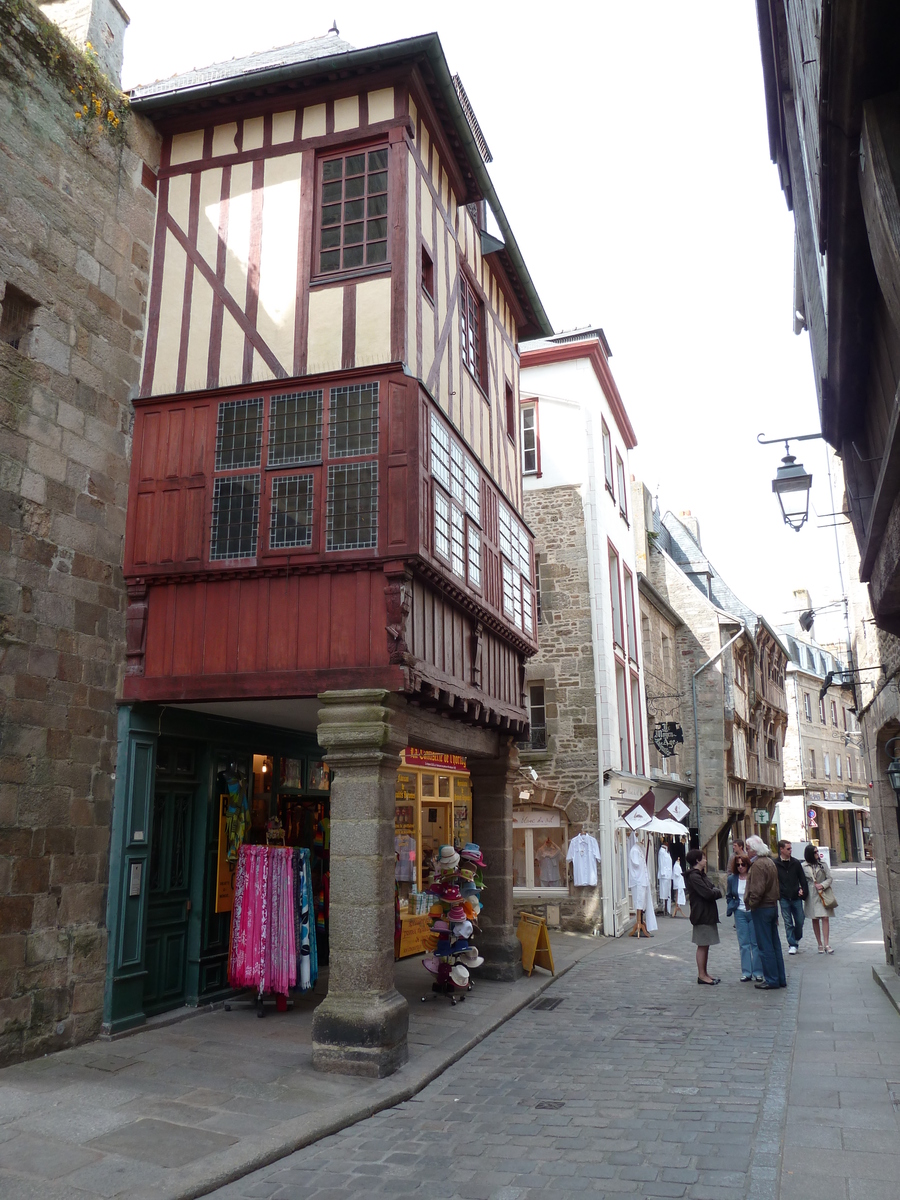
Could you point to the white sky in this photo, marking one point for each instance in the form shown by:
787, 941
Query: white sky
631, 157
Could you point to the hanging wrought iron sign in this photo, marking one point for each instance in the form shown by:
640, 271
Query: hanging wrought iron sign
666, 736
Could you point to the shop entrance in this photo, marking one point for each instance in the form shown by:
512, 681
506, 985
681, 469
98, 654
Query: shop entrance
169, 883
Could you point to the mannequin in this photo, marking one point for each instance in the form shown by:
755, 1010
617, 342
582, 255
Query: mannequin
664, 875
641, 894
548, 855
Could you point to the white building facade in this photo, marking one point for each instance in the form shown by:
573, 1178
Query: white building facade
585, 687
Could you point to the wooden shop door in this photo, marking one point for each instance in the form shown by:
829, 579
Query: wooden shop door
166, 946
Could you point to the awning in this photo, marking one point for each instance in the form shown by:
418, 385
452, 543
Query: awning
837, 805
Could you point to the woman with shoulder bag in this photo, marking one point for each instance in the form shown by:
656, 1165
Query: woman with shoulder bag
820, 903
751, 963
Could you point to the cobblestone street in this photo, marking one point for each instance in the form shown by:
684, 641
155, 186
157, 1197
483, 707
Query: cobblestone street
639, 1082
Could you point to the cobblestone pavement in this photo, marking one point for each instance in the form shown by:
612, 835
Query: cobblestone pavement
638, 1082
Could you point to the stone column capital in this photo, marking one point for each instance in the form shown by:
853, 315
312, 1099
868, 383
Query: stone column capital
358, 726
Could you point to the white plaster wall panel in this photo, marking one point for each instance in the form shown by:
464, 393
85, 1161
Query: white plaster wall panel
413, 111
283, 126
261, 371
326, 316
180, 201
224, 139
381, 105
373, 322
197, 370
231, 359
278, 256
168, 337
237, 261
210, 209
254, 130
186, 147
313, 121
346, 113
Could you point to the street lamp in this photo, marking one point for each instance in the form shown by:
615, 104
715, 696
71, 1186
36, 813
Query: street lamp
792, 482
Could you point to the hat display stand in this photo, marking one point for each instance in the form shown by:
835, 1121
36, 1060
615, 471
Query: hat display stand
456, 891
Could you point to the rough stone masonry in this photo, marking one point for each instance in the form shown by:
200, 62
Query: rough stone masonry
76, 219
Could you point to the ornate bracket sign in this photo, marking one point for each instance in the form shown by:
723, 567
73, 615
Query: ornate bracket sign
666, 736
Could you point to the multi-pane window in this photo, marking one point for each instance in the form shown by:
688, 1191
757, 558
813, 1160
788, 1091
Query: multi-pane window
537, 590
636, 726
838, 766
235, 517
849, 770
529, 440
441, 524
622, 707
812, 764
834, 719
518, 605
353, 220
826, 763
256, 439
471, 327
295, 428
353, 421
629, 616
623, 491
807, 705
457, 538
474, 556
351, 511
537, 716
607, 459
822, 709
291, 517
616, 599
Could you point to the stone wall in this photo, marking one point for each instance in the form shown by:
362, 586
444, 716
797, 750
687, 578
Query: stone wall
568, 768
75, 235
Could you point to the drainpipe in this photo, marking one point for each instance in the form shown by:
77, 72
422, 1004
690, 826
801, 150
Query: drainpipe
709, 662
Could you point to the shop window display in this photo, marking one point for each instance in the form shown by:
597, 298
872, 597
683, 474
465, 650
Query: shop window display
540, 843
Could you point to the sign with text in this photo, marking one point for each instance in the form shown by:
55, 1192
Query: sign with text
433, 759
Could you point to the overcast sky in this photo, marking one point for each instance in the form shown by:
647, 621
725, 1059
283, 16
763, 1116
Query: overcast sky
631, 157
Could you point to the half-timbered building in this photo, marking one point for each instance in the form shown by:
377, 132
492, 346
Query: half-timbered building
325, 553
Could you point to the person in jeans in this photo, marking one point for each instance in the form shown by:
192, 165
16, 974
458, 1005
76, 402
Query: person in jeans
794, 890
761, 897
751, 963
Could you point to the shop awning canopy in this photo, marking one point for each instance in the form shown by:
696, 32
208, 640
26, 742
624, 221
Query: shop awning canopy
837, 805
658, 825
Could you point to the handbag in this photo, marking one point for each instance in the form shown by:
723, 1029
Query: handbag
826, 895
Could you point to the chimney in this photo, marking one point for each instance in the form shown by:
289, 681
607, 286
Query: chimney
100, 22
691, 524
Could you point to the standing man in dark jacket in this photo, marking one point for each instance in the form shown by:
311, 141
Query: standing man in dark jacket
761, 897
794, 890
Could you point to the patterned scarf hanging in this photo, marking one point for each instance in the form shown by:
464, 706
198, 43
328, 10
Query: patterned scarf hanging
263, 942
304, 924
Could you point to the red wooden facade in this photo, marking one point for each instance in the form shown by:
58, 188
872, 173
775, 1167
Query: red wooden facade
296, 621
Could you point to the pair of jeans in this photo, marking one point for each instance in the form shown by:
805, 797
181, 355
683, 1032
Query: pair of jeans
751, 963
792, 914
765, 925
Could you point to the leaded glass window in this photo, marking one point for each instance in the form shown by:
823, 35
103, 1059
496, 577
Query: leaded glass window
353, 211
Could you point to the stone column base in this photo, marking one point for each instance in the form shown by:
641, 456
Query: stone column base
361, 1035
502, 958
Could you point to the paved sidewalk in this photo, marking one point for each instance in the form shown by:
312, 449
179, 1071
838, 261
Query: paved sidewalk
173, 1112
641, 1083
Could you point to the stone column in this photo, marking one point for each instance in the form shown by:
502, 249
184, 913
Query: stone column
493, 780
360, 1027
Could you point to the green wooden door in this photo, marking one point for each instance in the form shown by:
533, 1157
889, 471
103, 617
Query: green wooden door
166, 946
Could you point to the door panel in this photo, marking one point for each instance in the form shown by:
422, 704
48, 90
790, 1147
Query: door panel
169, 896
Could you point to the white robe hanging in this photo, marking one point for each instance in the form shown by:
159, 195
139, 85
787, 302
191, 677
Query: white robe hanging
664, 876
639, 883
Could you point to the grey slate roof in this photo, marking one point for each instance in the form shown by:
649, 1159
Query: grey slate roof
249, 65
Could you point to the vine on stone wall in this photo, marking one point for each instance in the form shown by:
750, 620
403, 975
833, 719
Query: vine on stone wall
98, 107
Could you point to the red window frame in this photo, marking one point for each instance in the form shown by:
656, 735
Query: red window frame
615, 589
471, 328
366, 219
